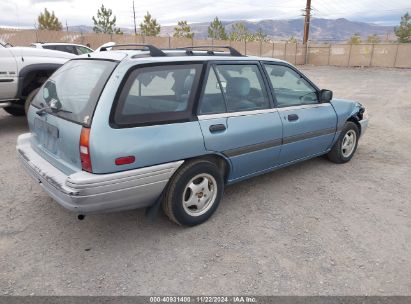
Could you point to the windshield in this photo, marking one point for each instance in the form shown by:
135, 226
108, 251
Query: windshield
75, 88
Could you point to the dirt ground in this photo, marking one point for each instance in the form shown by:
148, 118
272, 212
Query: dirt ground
315, 228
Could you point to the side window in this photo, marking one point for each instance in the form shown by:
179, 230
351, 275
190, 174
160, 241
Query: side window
66, 48
82, 50
157, 94
212, 101
289, 87
243, 87
49, 47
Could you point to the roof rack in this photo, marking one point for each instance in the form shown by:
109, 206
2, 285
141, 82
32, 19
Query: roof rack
154, 52
189, 49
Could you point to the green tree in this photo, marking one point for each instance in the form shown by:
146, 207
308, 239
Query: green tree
239, 32
355, 39
49, 21
260, 36
292, 39
183, 30
403, 32
216, 30
104, 23
373, 39
149, 26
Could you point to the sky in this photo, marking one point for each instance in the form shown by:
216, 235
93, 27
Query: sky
23, 13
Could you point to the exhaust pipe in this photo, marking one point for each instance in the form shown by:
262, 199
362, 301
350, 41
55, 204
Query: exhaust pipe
81, 217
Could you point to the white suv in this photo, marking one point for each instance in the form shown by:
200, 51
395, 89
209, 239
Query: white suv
22, 71
76, 49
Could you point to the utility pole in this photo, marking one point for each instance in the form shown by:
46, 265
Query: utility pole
307, 29
66, 26
134, 16
307, 21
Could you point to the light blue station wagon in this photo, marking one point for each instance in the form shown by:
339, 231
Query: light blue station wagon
139, 127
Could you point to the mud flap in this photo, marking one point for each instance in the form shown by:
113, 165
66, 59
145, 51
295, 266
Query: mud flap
152, 211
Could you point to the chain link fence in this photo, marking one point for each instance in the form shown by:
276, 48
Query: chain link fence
367, 55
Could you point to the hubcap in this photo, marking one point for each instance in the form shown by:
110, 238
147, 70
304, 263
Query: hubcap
348, 143
199, 194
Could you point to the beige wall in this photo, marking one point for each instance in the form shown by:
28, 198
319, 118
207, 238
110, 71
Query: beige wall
339, 54
403, 58
279, 50
377, 55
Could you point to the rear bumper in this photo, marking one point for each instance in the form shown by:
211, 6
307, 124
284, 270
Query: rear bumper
86, 193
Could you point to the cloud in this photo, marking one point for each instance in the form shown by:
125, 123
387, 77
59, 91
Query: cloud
48, 1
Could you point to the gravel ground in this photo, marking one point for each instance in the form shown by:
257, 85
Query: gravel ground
313, 228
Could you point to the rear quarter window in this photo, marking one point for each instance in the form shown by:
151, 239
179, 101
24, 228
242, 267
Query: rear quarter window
156, 94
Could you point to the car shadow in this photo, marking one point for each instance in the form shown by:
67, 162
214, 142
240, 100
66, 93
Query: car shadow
127, 223
12, 124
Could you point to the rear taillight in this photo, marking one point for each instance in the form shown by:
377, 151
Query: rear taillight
85, 149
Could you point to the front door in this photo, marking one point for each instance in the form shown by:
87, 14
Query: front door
8, 74
237, 118
308, 125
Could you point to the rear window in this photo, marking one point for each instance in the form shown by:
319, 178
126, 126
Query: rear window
75, 87
157, 94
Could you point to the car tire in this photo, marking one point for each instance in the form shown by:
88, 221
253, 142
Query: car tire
346, 145
29, 99
194, 193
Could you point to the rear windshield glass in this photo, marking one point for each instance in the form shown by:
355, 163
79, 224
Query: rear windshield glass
72, 91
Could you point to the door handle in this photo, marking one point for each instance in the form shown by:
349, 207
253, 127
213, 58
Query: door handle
292, 117
217, 128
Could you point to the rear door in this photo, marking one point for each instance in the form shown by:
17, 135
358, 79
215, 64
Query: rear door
308, 125
73, 92
237, 119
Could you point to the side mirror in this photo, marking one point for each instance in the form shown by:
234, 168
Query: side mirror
326, 95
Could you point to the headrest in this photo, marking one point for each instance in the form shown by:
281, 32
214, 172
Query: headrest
188, 83
238, 87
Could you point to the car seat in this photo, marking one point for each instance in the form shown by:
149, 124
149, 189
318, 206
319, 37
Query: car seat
237, 91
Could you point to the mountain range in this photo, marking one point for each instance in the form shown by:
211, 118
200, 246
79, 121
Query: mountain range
320, 29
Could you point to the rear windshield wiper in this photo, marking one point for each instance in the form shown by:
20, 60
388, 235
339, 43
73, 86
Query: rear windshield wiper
52, 109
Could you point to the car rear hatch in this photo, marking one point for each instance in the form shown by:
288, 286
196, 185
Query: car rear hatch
64, 108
